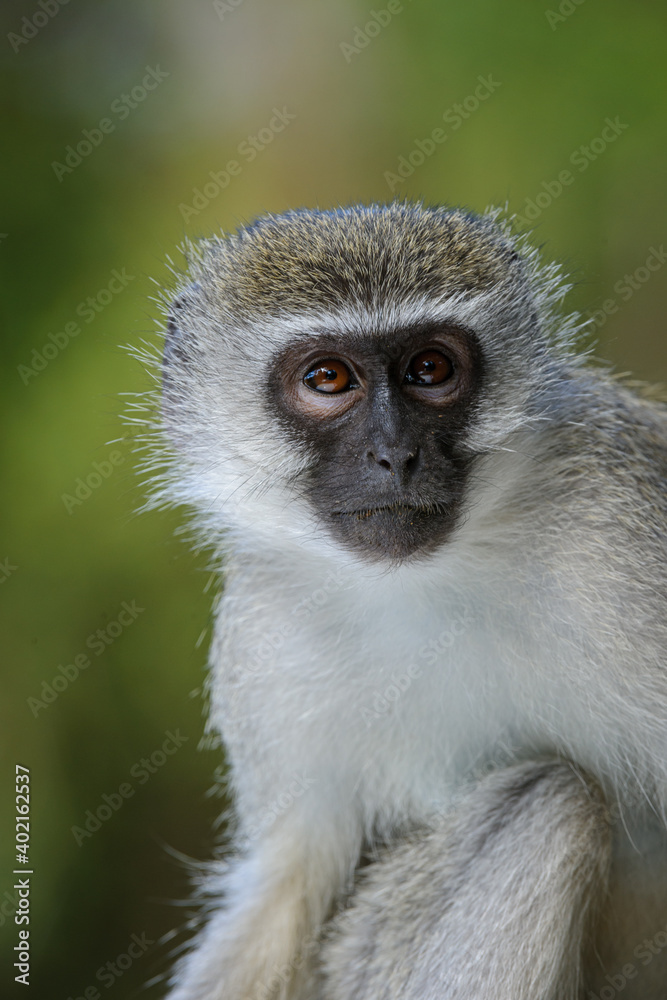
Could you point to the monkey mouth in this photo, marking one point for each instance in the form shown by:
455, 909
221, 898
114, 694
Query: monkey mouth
394, 531
399, 508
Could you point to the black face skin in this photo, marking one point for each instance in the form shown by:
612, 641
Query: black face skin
386, 421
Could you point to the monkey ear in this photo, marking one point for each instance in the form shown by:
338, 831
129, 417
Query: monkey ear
175, 351
178, 360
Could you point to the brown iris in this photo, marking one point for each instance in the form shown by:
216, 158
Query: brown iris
329, 376
429, 368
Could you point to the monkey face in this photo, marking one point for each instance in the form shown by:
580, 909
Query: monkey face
384, 419
330, 379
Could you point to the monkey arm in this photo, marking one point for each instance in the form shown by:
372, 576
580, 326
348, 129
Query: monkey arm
261, 941
497, 903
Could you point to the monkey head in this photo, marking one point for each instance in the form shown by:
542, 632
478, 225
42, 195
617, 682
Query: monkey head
333, 377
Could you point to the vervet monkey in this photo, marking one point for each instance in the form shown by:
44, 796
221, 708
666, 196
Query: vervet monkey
439, 656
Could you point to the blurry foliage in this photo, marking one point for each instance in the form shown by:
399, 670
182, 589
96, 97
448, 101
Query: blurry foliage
356, 113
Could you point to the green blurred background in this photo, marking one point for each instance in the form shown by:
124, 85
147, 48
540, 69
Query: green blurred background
361, 88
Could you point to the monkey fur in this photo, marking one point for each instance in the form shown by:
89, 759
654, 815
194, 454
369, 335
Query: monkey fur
438, 665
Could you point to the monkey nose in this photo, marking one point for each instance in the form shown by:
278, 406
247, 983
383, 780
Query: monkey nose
396, 461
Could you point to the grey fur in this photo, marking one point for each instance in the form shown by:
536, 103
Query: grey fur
540, 623
502, 893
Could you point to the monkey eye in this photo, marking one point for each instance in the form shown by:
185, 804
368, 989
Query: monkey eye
329, 376
429, 368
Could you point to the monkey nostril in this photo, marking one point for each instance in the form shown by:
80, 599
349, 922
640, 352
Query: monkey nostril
383, 462
407, 462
